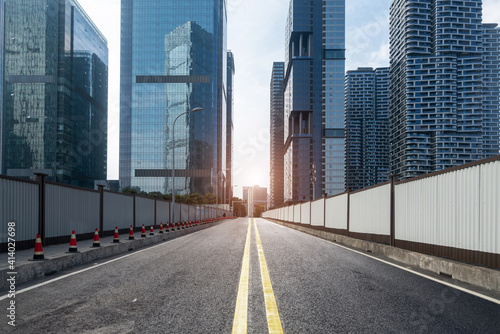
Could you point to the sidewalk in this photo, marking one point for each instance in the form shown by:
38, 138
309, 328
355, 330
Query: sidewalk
58, 258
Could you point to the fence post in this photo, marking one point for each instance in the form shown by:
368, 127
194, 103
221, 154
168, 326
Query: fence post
101, 209
40, 178
393, 212
155, 213
133, 218
348, 208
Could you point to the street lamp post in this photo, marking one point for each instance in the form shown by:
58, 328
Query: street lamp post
172, 212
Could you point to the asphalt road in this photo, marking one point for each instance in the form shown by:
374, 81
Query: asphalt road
190, 285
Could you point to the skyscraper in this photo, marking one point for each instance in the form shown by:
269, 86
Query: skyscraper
55, 86
229, 126
367, 126
277, 135
314, 99
444, 85
173, 59
2, 33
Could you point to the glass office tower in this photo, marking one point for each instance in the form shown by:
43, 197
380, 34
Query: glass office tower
56, 93
173, 59
314, 100
229, 127
2, 33
366, 127
444, 85
277, 135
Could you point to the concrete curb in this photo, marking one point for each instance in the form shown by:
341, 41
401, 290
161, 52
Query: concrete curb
36, 269
478, 276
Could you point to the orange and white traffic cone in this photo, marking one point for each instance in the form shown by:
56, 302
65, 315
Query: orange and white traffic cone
72, 243
116, 236
131, 233
38, 255
151, 231
161, 227
168, 227
97, 242
143, 231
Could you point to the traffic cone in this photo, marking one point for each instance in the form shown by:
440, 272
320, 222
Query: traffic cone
182, 227
116, 236
72, 243
161, 227
143, 232
168, 227
38, 255
131, 233
178, 225
151, 232
97, 242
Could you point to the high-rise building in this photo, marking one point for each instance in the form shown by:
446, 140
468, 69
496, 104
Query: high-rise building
367, 126
55, 88
314, 100
277, 135
229, 126
173, 60
444, 85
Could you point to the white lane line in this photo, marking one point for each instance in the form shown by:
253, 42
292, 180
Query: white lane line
87, 269
477, 294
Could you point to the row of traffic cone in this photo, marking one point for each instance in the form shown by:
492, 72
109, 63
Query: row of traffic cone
38, 254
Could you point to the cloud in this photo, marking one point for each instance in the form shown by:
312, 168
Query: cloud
491, 11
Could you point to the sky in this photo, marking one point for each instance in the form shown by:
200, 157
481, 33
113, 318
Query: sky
256, 36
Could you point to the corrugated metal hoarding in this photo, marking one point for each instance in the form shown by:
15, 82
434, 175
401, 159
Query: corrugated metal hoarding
162, 212
318, 212
19, 204
370, 211
336, 212
144, 211
68, 209
118, 210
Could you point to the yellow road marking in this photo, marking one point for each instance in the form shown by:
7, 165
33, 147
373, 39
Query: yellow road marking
273, 317
241, 311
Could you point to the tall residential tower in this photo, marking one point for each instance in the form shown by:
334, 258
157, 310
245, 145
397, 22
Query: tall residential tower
367, 127
277, 135
314, 99
173, 59
55, 88
444, 85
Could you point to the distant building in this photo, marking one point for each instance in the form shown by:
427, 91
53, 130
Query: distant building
314, 100
55, 86
444, 85
173, 59
277, 135
2, 33
367, 126
254, 196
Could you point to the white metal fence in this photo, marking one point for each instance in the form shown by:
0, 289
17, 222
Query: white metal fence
55, 210
455, 213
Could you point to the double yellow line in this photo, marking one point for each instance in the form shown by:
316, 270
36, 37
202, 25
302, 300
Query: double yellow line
240, 321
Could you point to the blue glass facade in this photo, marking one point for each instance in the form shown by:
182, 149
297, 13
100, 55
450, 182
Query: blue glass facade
314, 99
443, 85
367, 125
56, 73
2, 33
173, 59
229, 127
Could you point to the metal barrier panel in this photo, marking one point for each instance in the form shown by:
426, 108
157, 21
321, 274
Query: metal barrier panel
296, 213
68, 209
184, 212
285, 214
490, 208
336, 212
19, 204
318, 212
305, 213
162, 212
370, 211
118, 211
291, 210
177, 213
144, 211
